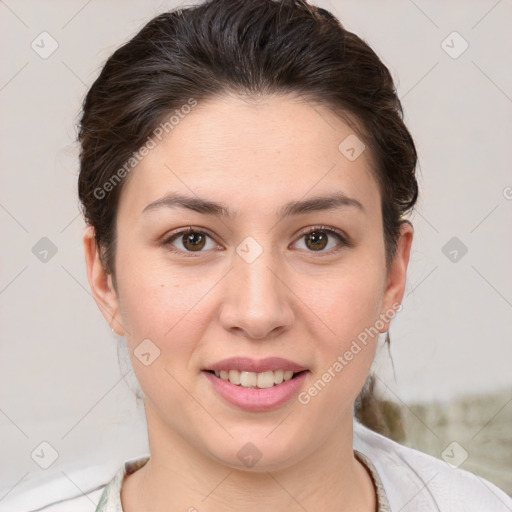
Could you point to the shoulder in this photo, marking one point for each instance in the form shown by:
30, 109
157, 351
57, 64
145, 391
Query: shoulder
83, 503
86, 489
51, 498
414, 480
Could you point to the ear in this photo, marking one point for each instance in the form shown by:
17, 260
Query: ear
397, 274
101, 283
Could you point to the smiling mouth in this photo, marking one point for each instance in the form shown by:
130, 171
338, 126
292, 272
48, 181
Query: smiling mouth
261, 380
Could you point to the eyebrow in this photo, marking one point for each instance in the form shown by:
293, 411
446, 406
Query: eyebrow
197, 204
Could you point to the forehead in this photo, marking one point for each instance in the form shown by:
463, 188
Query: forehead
275, 148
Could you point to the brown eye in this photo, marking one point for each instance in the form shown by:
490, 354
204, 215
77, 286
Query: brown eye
189, 241
316, 240
193, 241
322, 240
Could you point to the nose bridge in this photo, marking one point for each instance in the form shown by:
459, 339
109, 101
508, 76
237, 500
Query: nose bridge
258, 302
255, 270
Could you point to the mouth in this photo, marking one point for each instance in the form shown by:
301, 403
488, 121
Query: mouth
256, 385
260, 380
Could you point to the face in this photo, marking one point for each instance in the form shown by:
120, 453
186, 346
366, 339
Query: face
281, 272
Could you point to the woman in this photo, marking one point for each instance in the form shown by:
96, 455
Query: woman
245, 172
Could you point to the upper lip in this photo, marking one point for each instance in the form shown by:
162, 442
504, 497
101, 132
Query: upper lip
256, 365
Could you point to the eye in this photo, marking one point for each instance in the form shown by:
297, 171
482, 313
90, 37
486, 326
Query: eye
191, 240
318, 238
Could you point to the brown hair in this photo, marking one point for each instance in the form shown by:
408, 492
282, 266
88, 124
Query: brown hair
251, 48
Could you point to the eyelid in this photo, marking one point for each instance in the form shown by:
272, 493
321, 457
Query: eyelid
169, 237
344, 239
322, 227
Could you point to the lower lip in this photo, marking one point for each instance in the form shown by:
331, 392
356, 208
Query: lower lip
256, 399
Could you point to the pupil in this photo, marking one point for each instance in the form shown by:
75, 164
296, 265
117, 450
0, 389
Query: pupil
193, 239
317, 240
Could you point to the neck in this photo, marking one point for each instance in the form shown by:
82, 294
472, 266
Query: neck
179, 477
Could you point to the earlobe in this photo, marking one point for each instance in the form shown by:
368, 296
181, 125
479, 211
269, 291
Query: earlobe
101, 283
397, 272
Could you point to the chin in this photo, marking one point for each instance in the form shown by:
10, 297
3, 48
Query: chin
256, 451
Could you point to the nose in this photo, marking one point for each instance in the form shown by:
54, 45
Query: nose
257, 299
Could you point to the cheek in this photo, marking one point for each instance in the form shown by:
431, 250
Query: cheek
162, 303
349, 307
349, 303
164, 307
153, 295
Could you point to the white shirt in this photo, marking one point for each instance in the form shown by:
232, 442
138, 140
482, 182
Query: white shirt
406, 480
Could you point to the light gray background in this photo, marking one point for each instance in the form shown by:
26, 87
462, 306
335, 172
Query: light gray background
60, 378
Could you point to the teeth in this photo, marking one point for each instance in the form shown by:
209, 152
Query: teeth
252, 379
265, 379
248, 379
234, 376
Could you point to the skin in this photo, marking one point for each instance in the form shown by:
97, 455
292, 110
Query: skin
291, 302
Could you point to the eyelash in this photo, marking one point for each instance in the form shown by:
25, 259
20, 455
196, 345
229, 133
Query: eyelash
324, 229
